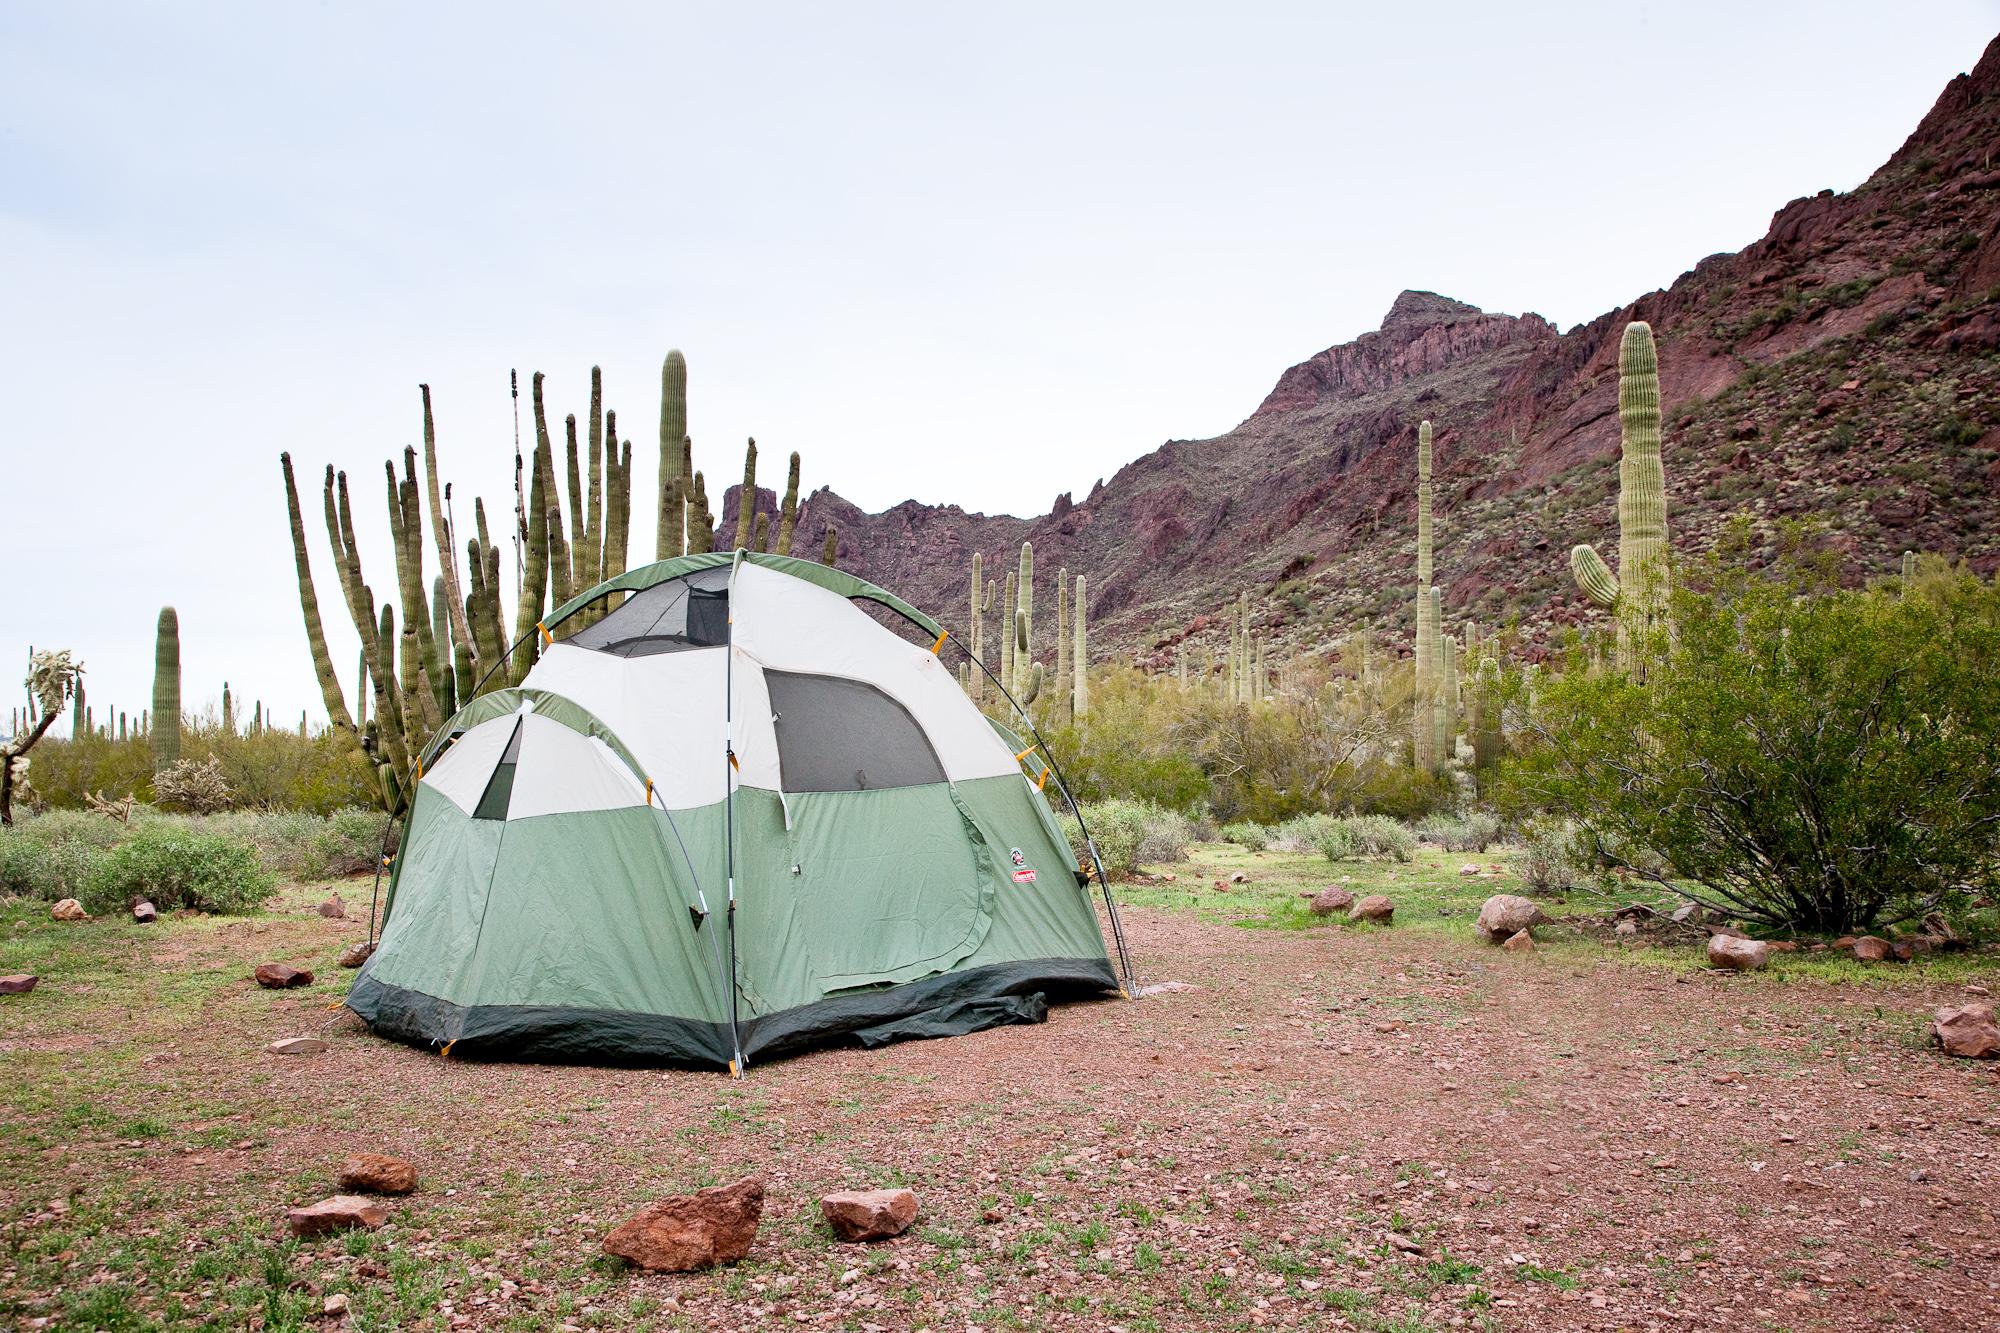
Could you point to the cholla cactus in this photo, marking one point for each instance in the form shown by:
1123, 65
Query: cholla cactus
1639, 591
195, 786
53, 677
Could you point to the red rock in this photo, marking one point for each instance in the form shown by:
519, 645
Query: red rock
376, 1173
354, 955
69, 909
20, 983
1845, 941
1519, 942
145, 913
1506, 915
869, 1214
1468, 869
1727, 951
1375, 907
342, 1212
278, 976
1968, 1032
689, 1231
1329, 900
1871, 949
333, 909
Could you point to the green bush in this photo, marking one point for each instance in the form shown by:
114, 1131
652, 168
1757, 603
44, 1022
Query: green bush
1474, 831
1121, 829
1305, 833
1255, 837
1811, 761
347, 843
1366, 837
174, 867
1550, 862
31, 868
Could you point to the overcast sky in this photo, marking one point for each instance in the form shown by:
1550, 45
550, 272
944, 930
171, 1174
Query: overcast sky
977, 255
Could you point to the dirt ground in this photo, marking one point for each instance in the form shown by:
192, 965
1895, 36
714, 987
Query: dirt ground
1386, 1129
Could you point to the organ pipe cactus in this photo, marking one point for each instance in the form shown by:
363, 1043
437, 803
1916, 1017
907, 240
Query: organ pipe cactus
1639, 591
329, 682
166, 690
461, 629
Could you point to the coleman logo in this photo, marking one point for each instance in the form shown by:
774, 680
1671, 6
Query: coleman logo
1024, 876
1015, 854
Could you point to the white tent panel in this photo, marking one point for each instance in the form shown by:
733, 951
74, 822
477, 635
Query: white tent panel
788, 624
461, 772
560, 771
667, 709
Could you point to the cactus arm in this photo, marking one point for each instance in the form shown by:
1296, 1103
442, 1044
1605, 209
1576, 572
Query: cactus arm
700, 521
1597, 581
535, 571
329, 681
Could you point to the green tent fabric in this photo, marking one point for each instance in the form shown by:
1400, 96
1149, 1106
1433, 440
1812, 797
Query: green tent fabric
729, 818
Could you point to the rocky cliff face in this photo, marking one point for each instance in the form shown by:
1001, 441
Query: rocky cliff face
1837, 383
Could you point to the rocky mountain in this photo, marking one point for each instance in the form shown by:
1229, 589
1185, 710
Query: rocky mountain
1838, 383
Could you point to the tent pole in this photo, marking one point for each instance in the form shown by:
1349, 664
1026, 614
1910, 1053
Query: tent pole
729, 803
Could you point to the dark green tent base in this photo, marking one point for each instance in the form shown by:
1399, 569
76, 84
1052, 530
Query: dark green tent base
949, 1004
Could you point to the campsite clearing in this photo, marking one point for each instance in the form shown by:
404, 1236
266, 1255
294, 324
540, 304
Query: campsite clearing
1338, 1126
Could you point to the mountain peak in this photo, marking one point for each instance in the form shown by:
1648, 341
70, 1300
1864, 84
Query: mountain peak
1414, 309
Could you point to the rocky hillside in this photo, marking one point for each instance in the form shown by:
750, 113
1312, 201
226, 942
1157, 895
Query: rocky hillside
1838, 382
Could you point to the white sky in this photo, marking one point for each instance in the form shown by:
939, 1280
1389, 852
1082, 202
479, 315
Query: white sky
964, 255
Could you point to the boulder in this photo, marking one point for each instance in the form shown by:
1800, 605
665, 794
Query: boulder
69, 909
1519, 942
342, 1212
333, 909
377, 1173
1968, 1032
1873, 949
354, 955
1375, 907
298, 1046
20, 983
279, 976
869, 1214
1468, 869
1737, 955
689, 1231
1506, 915
145, 913
1329, 900
1909, 948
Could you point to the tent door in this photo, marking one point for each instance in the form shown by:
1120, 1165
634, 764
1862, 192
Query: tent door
893, 885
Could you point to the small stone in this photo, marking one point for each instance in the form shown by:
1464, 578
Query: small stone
279, 976
857, 1215
377, 1173
1685, 913
298, 1046
354, 955
1375, 907
1506, 915
145, 913
335, 1304
1397, 1240
1626, 927
1726, 951
20, 983
1468, 869
333, 909
342, 1212
1239, 878
1329, 900
69, 909
1872, 949
1519, 942
689, 1231
1968, 1032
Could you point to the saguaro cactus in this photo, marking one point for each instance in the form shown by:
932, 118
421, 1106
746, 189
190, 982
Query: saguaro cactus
228, 710
831, 549
1008, 605
166, 690
673, 453
788, 513
975, 628
1024, 605
1488, 738
746, 499
1079, 654
1639, 592
1424, 734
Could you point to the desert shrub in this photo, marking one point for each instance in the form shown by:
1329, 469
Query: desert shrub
1119, 828
1255, 837
1367, 837
283, 838
270, 770
1303, 833
195, 786
347, 842
1549, 862
1399, 791
173, 866
1473, 831
1164, 837
31, 868
1820, 761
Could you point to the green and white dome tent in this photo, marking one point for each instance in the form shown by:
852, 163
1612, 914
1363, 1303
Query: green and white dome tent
734, 816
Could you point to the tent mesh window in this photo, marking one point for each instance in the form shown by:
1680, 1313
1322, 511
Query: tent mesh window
688, 612
500, 787
836, 734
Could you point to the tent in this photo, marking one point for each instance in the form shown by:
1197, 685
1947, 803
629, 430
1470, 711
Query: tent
733, 815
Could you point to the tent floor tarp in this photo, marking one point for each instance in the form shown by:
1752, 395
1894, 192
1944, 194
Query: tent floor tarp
953, 1003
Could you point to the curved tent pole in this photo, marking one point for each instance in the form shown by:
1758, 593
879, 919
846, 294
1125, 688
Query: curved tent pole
1090, 843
